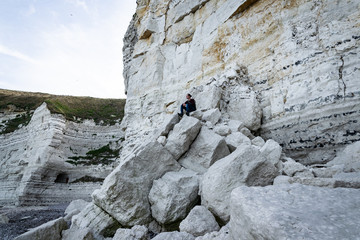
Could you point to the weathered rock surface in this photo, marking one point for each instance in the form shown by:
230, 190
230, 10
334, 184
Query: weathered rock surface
182, 136
78, 205
223, 234
172, 196
36, 168
235, 125
344, 180
235, 139
272, 151
81, 234
124, 193
174, 236
222, 130
3, 219
135, 233
43, 232
318, 182
199, 222
74, 208
247, 165
347, 180
287, 69
203, 101
290, 167
90, 223
349, 158
212, 115
258, 141
243, 105
169, 122
282, 70
294, 212
207, 148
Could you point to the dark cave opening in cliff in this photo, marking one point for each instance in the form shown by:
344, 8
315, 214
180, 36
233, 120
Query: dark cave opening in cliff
62, 178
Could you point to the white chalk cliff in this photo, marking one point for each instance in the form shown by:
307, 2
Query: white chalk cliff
272, 151
294, 63
37, 160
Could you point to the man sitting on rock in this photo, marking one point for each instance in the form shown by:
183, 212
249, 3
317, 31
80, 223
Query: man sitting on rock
188, 106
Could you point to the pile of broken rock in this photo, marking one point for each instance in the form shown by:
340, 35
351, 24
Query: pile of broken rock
207, 177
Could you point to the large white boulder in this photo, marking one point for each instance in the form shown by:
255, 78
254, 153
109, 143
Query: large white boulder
90, 223
172, 196
244, 106
44, 231
207, 148
168, 124
174, 236
199, 222
222, 130
235, 139
235, 125
294, 212
137, 232
290, 167
349, 158
77, 205
272, 151
124, 194
202, 95
212, 115
327, 172
181, 137
245, 166
258, 141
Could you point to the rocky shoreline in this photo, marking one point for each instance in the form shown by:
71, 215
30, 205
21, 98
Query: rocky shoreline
21, 219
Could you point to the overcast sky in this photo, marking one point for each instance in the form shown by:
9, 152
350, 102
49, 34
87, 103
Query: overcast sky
67, 47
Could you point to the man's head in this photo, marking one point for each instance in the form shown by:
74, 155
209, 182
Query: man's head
188, 96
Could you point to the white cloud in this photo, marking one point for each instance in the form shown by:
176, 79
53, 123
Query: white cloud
79, 55
79, 3
16, 54
80, 60
30, 11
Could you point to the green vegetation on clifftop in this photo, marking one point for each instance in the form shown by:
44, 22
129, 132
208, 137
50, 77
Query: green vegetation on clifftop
105, 111
103, 155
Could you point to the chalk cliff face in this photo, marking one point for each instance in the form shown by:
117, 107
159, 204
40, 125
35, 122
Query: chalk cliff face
41, 163
260, 71
297, 62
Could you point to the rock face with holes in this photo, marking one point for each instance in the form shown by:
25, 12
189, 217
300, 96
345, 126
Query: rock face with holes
53, 160
287, 69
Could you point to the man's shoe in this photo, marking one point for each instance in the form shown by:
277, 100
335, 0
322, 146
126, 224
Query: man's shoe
187, 114
180, 115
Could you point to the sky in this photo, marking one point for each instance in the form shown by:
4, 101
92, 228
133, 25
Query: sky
64, 47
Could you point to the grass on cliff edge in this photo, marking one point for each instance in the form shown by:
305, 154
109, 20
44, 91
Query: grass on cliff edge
108, 111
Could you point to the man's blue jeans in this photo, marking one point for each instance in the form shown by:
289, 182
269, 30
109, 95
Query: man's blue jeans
187, 107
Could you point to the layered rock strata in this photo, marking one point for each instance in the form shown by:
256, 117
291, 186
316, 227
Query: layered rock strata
40, 162
299, 59
276, 83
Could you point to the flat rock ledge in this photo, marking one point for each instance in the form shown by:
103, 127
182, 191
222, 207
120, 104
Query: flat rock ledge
295, 212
